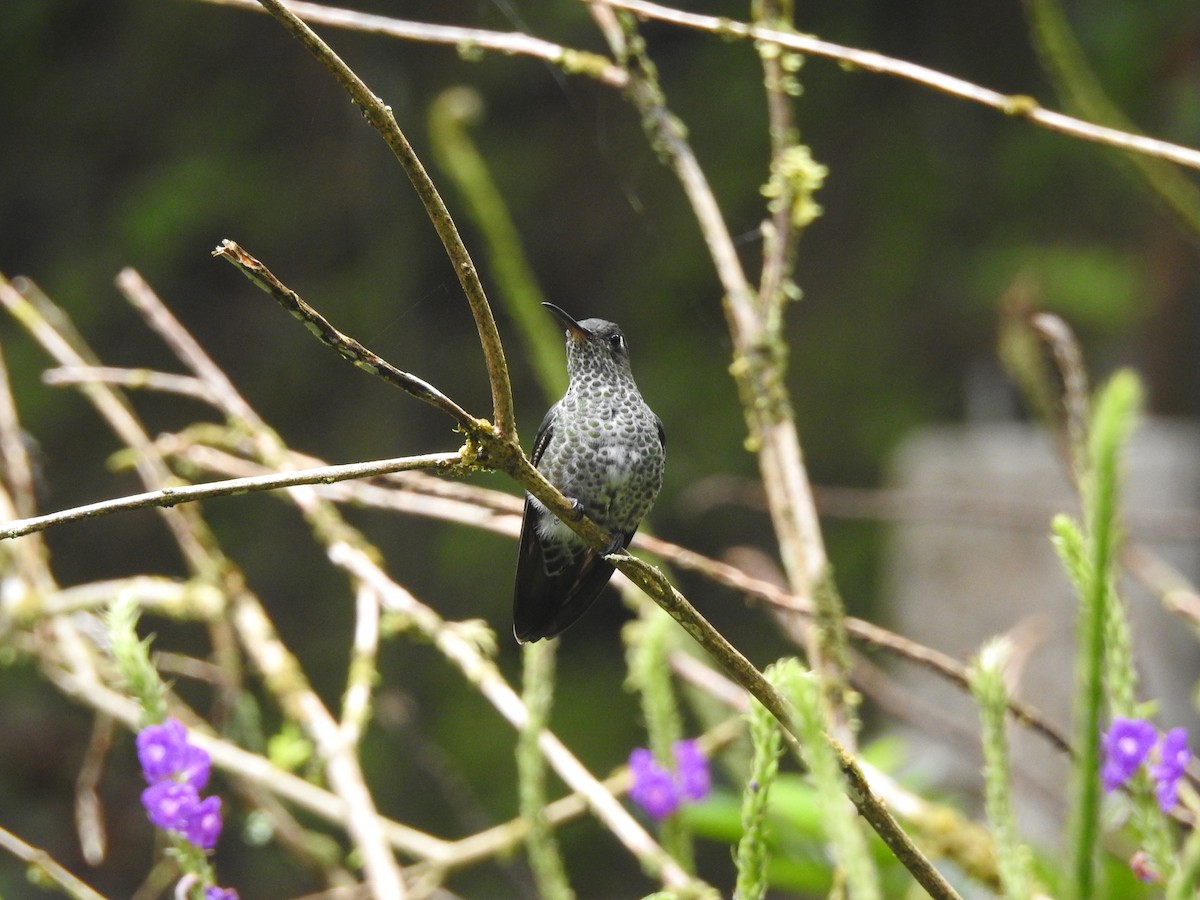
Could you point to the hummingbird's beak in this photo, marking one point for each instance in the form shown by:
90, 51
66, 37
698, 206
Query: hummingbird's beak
574, 329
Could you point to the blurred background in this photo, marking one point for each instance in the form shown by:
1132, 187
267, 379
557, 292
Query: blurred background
140, 133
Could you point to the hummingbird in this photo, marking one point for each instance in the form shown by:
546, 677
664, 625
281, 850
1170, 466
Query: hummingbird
604, 449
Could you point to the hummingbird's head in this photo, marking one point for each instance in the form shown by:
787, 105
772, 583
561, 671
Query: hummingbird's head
594, 346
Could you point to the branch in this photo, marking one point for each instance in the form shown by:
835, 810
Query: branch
757, 371
381, 119
492, 510
1010, 104
482, 672
516, 43
873, 809
43, 864
351, 349
171, 496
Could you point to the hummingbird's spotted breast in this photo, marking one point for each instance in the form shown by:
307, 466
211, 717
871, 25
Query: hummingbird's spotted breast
602, 446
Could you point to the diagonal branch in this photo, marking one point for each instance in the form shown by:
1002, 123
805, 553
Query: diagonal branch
1010, 104
379, 115
349, 348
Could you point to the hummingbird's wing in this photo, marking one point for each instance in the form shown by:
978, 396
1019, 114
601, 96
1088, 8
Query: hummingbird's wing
556, 581
546, 603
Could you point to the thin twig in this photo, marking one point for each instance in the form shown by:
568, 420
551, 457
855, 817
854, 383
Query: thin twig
189, 493
515, 43
483, 673
779, 245
44, 864
1017, 105
282, 672
133, 379
89, 812
351, 349
363, 671
758, 371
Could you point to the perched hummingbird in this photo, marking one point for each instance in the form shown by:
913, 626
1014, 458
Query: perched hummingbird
604, 448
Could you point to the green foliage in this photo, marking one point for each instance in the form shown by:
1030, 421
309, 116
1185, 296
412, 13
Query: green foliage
537, 690
1089, 554
132, 658
753, 852
986, 677
649, 641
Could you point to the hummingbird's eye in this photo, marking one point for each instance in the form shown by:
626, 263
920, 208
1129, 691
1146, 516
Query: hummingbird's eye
617, 342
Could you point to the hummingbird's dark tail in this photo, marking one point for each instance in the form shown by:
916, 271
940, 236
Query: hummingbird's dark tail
545, 604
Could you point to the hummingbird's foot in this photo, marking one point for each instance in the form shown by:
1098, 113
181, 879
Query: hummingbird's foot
576, 512
616, 545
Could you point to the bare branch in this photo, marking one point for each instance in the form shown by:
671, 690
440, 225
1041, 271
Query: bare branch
1018, 105
516, 43
44, 864
133, 379
349, 348
172, 496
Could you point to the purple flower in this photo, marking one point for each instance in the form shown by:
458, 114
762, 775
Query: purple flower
653, 787
161, 749
220, 893
692, 765
659, 791
1126, 746
170, 804
194, 767
1173, 756
202, 826
164, 752
1166, 792
177, 772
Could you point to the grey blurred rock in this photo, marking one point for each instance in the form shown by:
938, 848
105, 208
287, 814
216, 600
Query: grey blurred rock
973, 559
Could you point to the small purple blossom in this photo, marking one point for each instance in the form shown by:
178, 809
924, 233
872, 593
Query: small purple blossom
161, 749
1131, 743
1126, 745
1173, 756
164, 752
170, 804
692, 766
659, 791
220, 893
653, 787
203, 824
177, 771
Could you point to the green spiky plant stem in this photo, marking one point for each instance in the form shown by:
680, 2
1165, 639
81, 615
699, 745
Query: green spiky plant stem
537, 683
842, 826
1112, 423
753, 852
986, 676
650, 640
